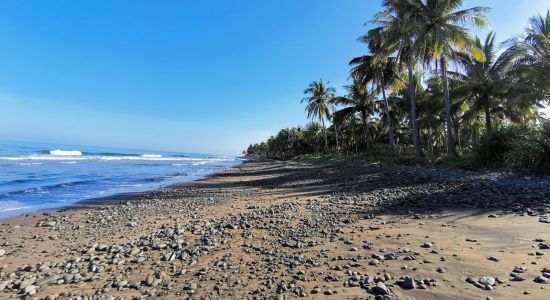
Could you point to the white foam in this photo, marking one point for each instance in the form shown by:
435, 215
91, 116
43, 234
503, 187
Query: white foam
9, 205
69, 162
30, 164
66, 153
42, 157
151, 156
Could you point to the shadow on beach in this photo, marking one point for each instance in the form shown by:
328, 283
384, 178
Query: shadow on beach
374, 188
398, 189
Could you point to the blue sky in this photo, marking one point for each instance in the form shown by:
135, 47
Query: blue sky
191, 76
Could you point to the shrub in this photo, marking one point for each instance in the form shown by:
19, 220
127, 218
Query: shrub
518, 148
530, 151
493, 146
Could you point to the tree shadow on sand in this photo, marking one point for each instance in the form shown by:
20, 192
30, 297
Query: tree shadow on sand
401, 190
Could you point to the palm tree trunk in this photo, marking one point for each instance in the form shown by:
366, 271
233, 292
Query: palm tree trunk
451, 148
457, 135
416, 139
325, 134
367, 139
488, 115
388, 116
430, 140
336, 135
365, 133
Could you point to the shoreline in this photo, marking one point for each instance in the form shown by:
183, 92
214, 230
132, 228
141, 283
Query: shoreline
318, 229
119, 197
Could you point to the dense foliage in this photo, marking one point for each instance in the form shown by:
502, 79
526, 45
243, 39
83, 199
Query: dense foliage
427, 88
516, 148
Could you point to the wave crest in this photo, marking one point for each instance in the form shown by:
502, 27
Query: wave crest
65, 153
151, 155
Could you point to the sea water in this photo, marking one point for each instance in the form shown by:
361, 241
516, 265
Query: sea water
41, 176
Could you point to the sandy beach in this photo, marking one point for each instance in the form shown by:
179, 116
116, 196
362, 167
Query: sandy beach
282, 230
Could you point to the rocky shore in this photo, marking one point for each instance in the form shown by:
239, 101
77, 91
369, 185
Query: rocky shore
282, 230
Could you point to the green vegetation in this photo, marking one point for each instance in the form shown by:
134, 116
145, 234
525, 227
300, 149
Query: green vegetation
523, 148
428, 92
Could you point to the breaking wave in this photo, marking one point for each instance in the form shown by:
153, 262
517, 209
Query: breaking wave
151, 155
65, 153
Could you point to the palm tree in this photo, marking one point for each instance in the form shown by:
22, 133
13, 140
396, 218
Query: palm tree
320, 94
431, 117
380, 70
440, 31
359, 100
335, 125
530, 57
394, 33
484, 83
401, 95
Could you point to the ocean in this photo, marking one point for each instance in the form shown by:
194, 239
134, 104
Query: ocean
42, 176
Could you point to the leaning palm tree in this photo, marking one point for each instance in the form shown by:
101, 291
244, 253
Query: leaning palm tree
440, 30
394, 34
320, 94
359, 100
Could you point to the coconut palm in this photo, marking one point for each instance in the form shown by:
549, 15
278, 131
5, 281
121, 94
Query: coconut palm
394, 33
484, 83
440, 31
401, 95
333, 110
381, 71
359, 100
320, 95
530, 57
